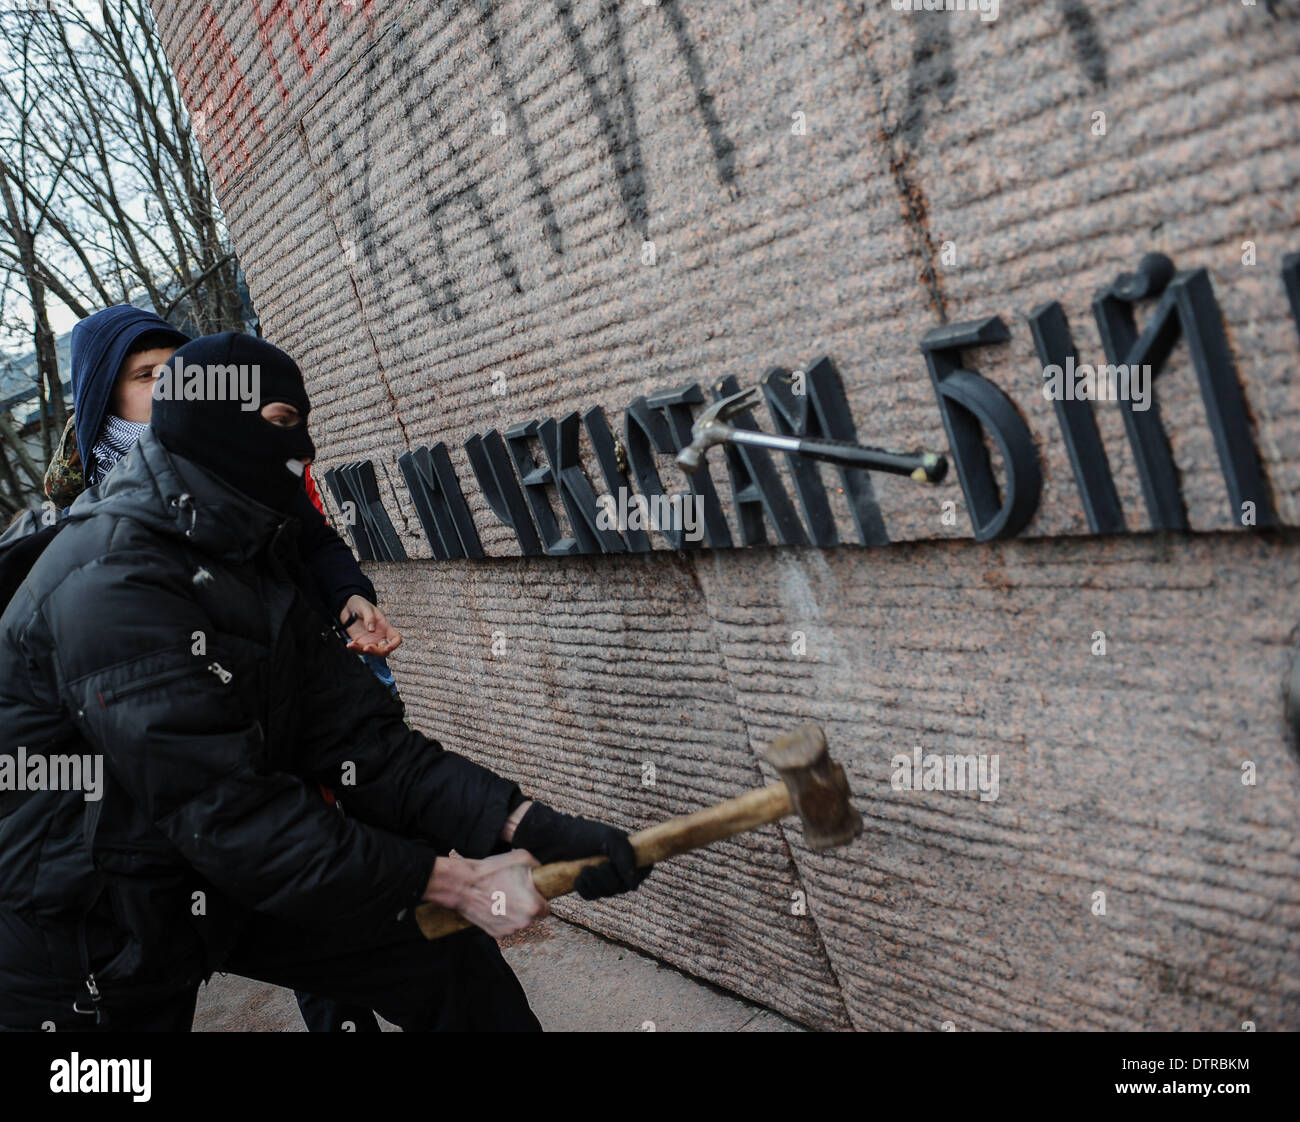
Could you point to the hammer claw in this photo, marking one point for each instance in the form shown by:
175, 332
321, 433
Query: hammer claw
730, 406
711, 427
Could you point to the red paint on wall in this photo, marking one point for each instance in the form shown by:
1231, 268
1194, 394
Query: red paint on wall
305, 21
212, 82
225, 119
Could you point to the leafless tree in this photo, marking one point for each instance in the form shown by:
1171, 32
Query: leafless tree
104, 191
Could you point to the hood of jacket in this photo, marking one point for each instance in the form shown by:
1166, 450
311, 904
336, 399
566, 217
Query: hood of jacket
178, 498
99, 346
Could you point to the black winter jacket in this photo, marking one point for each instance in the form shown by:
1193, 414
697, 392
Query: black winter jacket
334, 572
164, 628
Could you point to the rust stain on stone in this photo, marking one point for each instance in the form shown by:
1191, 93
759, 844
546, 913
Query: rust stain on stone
916, 209
997, 578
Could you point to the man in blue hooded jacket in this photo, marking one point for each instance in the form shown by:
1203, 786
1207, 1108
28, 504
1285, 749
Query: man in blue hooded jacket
115, 354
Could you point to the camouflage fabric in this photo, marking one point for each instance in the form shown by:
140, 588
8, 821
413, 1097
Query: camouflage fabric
63, 478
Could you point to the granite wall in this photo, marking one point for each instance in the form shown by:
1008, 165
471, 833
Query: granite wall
462, 217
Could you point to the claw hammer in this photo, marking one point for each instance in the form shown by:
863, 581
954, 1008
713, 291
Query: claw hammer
712, 427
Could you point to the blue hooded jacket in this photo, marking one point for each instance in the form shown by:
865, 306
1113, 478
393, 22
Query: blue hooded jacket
99, 345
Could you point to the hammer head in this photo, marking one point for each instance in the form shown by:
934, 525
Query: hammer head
709, 428
817, 786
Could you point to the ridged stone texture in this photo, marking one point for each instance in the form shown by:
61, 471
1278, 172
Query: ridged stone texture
463, 216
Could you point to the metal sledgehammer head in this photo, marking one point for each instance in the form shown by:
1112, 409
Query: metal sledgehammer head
817, 785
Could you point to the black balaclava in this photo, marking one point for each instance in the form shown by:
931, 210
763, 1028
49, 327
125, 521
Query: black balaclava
213, 429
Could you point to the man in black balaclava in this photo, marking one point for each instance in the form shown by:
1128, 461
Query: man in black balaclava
165, 633
257, 440
258, 451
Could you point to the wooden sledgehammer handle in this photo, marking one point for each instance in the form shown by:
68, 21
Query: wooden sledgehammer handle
668, 839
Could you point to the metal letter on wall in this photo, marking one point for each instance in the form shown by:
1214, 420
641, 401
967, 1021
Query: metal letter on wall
756, 484
822, 410
560, 442
439, 503
537, 478
372, 533
646, 430
496, 478
1187, 309
969, 403
1078, 424
606, 453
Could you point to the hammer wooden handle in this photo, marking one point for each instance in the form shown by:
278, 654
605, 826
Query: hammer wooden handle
668, 839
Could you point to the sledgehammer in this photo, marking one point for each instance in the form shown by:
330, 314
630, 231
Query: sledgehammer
813, 786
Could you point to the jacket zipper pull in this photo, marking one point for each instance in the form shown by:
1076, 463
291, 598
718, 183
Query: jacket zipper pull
220, 672
93, 987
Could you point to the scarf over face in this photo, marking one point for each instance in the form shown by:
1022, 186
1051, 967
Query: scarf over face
116, 439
